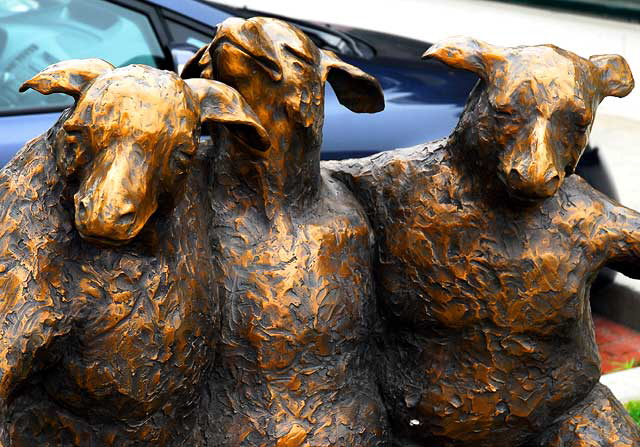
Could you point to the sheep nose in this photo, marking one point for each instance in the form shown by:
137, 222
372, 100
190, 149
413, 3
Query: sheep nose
125, 215
126, 219
533, 187
552, 184
516, 179
81, 211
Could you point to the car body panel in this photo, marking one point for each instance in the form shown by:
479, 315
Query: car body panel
417, 108
18, 129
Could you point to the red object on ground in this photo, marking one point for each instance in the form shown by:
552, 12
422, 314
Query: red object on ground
618, 344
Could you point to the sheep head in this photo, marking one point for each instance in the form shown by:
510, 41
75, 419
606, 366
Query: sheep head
534, 108
281, 73
132, 136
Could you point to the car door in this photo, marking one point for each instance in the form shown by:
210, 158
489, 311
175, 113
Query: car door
38, 33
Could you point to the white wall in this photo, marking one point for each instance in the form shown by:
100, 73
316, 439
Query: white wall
497, 23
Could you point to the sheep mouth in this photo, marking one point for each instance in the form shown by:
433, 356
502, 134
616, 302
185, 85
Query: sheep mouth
104, 240
527, 197
107, 238
269, 65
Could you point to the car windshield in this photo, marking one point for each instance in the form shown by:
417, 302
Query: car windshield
37, 33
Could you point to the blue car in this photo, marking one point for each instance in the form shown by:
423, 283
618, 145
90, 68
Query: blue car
423, 99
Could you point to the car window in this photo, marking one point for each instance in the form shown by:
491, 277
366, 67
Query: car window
38, 33
185, 42
181, 34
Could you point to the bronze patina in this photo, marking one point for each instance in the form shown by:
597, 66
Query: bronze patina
102, 343
487, 246
158, 291
294, 361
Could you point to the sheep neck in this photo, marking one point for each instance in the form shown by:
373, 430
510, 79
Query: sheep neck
287, 176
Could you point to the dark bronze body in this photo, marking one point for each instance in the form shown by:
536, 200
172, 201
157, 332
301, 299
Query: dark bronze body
293, 366
486, 254
108, 330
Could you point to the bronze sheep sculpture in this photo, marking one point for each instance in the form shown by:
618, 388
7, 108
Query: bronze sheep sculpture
109, 313
295, 250
159, 291
487, 247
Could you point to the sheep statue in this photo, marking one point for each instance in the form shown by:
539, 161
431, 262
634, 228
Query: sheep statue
293, 363
109, 309
487, 247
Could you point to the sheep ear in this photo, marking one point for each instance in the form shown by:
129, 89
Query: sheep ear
199, 65
355, 89
615, 75
465, 53
70, 77
222, 104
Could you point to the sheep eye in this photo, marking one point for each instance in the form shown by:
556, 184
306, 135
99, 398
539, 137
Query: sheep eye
73, 141
308, 59
504, 116
581, 128
187, 149
182, 156
581, 123
73, 136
